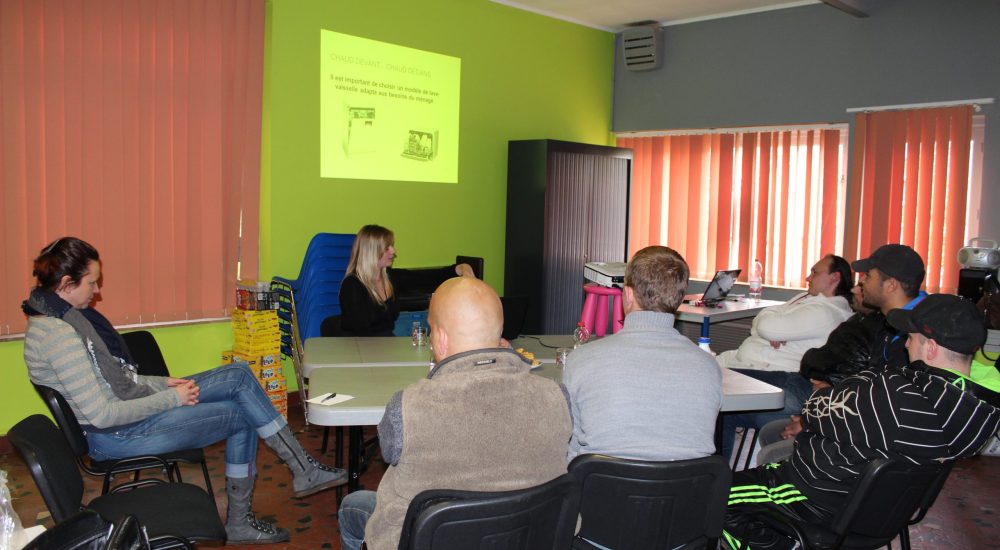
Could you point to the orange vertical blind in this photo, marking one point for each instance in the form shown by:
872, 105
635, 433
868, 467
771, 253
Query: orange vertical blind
135, 126
909, 185
723, 199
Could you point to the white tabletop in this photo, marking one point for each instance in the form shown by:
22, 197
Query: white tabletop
358, 351
373, 384
727, 310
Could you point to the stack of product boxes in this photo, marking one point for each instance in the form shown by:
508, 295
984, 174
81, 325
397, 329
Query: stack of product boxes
257, 340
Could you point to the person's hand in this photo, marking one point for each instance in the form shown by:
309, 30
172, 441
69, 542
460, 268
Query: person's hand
819, 384
188, 392
504, 343
777, 345
793, 428
171, 381
465, 270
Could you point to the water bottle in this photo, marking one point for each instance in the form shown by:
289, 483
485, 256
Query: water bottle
580, 335
756, 280
415, 334
704, 342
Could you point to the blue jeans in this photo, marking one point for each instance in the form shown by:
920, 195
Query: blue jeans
354, 512
797, 390
231, 406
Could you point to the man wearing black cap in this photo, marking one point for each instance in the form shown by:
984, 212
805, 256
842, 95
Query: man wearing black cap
890, 279
945, 332
927, 412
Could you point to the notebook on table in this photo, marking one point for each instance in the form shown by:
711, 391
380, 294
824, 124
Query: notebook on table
717, 289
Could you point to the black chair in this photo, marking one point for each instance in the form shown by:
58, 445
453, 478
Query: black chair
475, 262
168, 510
537, 518
932, 493
85, 530
149, 362
77, 441
331, 326
638, 505
128, 534
146, 353
515, 311
881, 505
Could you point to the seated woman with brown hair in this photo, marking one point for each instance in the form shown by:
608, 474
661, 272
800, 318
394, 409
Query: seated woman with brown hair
70, 347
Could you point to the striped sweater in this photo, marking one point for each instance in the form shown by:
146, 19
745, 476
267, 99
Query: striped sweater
919, 414
57, 357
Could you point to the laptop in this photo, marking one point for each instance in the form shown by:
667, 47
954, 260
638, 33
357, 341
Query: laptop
717, 289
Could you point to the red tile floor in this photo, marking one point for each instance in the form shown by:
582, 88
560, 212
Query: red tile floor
966, 515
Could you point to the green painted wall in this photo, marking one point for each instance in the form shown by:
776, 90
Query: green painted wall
523, 77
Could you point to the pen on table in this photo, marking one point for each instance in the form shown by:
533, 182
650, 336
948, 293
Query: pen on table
328, 398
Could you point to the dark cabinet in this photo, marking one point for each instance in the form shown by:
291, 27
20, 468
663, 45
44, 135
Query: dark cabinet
567, 204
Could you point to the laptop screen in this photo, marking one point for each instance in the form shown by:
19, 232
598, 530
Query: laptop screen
720, 286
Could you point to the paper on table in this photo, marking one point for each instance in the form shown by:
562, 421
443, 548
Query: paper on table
325, 399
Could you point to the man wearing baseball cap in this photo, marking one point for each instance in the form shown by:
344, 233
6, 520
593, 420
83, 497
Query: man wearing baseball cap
945, 332
890, 279
927, 412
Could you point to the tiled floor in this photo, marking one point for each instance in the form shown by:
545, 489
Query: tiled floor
966, 515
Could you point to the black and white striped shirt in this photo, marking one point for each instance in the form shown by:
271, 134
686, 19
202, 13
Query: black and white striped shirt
920, 414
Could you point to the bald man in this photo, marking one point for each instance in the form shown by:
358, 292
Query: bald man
480, 421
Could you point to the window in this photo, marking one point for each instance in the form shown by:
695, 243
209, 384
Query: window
915, 181
135, 126
725, 197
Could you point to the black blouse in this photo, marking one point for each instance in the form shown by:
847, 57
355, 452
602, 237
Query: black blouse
360, 315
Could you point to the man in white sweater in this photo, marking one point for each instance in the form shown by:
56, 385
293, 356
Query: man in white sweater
781, 334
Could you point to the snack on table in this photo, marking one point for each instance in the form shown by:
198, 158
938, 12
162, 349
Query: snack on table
528, 356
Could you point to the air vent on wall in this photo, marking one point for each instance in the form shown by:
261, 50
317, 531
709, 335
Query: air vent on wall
640, 48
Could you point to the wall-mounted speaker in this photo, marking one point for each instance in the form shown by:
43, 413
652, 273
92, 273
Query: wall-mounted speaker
641, 48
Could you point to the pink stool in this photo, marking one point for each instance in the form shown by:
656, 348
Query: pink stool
595, 309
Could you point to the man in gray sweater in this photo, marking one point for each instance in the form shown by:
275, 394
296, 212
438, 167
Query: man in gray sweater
647, 392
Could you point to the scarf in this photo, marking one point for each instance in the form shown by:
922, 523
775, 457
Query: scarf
108, 351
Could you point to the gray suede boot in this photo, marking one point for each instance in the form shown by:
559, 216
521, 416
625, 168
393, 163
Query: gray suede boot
241, 525
308, 475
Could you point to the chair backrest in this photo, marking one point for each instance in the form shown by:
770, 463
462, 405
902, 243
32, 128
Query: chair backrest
65, 419
146, 353
537, 518
932, 492
886, 497
475, 262
51, 463
632, 504
331, 326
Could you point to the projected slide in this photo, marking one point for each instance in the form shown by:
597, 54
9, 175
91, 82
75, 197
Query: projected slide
387, 112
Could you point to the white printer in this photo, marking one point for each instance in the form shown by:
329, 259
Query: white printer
605, 273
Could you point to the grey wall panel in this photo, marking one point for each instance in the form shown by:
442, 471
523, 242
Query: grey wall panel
809, 64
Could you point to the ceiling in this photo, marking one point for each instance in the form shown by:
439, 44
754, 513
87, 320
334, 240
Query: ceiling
615, 15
